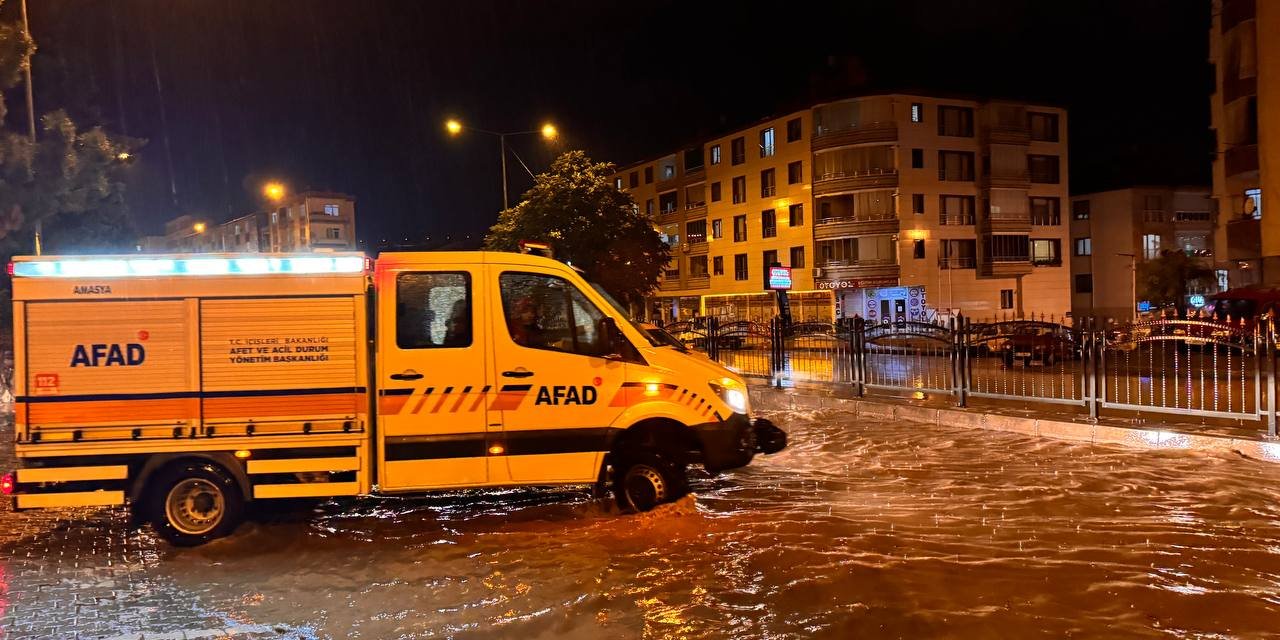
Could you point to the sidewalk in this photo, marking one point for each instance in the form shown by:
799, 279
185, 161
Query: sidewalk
1148, 431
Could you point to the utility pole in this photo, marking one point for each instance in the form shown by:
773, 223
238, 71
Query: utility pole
31, 110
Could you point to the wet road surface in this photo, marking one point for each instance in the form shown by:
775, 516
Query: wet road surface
860, 529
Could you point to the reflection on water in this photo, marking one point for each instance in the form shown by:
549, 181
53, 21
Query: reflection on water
859, 529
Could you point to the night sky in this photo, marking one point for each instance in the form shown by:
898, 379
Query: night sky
351, 96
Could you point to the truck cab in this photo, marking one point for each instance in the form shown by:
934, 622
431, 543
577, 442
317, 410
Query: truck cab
249, 379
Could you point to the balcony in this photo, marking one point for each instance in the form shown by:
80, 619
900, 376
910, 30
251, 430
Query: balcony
699, 281
669, 215
768, 191
670, 284
1244, 239
1006, 266
1007, 180
967, 262
830, 138
842, 181
847, 226
696, 247
955, 219
695, 210
694, 174
865, 272
1008, 133
1241, 159
1007, 222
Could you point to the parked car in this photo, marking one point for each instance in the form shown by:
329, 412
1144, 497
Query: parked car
1029, 343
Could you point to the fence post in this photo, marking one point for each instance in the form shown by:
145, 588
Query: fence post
1099, 366
776, 346
713, 338
1269, 343
857, 343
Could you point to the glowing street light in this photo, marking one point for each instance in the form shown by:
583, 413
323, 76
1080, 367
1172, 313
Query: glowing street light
274, 191
548, 132
199, 227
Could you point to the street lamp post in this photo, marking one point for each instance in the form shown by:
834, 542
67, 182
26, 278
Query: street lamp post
1133, 282
548, 131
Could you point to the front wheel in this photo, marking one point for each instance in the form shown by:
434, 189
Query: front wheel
193, 503
645, 479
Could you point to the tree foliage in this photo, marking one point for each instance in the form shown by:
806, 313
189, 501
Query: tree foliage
1168, 279
589, 222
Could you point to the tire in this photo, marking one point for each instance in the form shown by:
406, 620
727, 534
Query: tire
644, 479
193, 502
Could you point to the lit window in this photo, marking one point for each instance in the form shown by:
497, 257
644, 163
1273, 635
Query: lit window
715, 154
1151, 246
331, 209
1253, 203
766, 143
917, 112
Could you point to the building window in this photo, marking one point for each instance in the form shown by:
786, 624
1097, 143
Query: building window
795, 216
1223, 279
275, 217
617, 182
955, 166
648, 175
668, 171
717, 229
740, 266
1046, 211
917, 203
333, 233
1080, 209
739, 189
769, 259
1253, 203
797, 257
1006, 298
740, 228
667, 202
715, 192
768, 224
1044, 169
633, 180
956, 210
696, 231
331, 209
1043, 126
1084, 246
793, 130
715, 154
1150, 246
917, 249
648, 207
958, 254
917, 112
433, 310
738, 151
955, 121
1152, 215
698, 267
917, 158
768, 186
1046, 252
766, 143
717, 265
1084, 283
1153, 203
795, 172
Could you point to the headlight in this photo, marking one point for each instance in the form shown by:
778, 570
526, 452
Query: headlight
733, 394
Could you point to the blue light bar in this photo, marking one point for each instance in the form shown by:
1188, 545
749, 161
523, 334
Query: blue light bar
151, 267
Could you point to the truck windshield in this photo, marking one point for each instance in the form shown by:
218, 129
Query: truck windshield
626, 316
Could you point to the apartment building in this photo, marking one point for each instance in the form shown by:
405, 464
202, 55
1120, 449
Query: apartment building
1113, 232
1245, 112
306, 221
887, 207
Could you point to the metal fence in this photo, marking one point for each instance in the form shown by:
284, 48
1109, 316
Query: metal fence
1216, 369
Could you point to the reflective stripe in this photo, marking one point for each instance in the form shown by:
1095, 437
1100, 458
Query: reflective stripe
78, 499
71, 474
296, 465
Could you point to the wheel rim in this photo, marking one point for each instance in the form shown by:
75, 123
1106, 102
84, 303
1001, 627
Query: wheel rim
645, 487
195, 506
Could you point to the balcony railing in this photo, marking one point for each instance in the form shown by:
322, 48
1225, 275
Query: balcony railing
768, 191
949, 219
695, 205
1014, 258
862, 217
872, 262
858, 173
1047, 262
1008, 216
968, 262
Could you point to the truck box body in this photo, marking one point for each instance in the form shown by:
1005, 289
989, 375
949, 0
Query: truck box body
256, 355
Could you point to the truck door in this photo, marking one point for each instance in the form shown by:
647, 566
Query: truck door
555, 386
433, 378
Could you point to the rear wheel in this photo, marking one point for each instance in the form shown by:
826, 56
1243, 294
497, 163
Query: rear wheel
643, 480
194, 502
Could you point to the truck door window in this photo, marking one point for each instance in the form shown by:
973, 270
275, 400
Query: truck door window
433, 310
547, 312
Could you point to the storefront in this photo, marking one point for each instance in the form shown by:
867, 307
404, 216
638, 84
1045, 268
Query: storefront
668, 310
806, 306
879, 303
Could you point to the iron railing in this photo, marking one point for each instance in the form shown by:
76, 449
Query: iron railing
1202, 368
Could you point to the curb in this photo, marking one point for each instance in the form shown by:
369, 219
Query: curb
770, 398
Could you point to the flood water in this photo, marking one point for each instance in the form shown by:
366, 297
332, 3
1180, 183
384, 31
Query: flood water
859, 529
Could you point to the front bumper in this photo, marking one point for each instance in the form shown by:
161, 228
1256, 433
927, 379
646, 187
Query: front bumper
733, 442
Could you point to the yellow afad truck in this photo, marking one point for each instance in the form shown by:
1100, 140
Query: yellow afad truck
189, 385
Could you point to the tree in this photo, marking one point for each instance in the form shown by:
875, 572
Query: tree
588, 222
1168, 279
